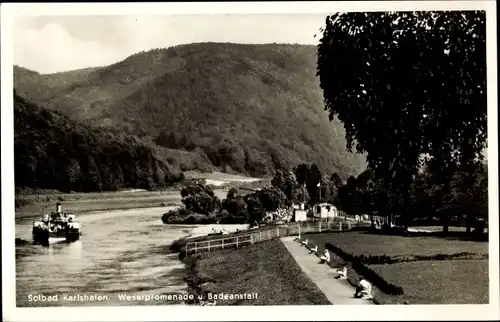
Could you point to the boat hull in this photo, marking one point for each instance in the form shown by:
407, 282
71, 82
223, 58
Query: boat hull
44, 236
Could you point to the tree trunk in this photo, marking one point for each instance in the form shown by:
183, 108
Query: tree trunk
445, 218
405, 214
445, 206
470, 221
405, 223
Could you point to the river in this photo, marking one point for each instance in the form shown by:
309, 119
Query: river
120, 252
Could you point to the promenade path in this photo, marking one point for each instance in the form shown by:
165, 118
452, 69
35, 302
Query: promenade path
338, 292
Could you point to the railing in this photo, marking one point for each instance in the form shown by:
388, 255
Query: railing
268, 234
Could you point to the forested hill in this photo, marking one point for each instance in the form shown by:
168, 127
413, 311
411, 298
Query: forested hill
55, 152
236, 108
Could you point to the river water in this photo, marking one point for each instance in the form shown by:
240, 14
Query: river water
123, 252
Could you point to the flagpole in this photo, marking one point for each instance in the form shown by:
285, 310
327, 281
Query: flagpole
319, 185
304, 195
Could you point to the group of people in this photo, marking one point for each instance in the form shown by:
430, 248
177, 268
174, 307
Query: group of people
56, 221
363, 289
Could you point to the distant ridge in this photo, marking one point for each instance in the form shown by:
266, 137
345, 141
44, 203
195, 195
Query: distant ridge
236, 108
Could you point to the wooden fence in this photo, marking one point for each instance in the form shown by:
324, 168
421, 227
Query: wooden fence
269, 233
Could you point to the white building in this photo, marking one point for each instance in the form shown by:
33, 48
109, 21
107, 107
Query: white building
299, 213
324, 210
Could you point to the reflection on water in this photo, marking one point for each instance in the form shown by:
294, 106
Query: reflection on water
119, 252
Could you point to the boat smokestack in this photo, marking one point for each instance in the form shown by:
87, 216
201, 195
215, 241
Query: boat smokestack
58, 207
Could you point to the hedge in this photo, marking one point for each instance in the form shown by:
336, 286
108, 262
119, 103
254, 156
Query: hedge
367, 272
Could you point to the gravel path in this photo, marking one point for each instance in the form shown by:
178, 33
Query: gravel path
338, 291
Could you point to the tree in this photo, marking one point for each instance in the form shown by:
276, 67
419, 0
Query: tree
199, 198
309, 176
255, 209
301, 173
407, 84
347, 196
235, 204
336, 180
271, 198
286, 182
232, 193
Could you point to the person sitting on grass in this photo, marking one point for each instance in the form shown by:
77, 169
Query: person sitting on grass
325, 258
342, 273
364, 289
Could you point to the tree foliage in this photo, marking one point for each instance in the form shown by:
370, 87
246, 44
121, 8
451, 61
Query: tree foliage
235, 204
464, 202
287, 183
200, 199
408, 85
52, 151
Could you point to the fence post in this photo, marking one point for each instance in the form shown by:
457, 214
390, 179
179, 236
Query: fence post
222, 243
195, 247
340, 226
278, 232
349, 225
260, 236
236, 241
320, 226
209, 245
299, 229
187, 247
251, 239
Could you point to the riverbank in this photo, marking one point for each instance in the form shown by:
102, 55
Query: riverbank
81, 203
266, 271
30, 203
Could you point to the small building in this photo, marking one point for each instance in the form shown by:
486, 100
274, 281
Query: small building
299, 212
299, 215
324, 210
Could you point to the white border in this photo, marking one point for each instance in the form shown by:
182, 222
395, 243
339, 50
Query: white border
289, 313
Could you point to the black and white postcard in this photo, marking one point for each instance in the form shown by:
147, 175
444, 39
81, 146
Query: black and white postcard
250, 161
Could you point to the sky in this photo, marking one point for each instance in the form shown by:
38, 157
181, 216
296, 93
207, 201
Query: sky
49, 44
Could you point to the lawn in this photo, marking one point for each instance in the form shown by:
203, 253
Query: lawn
265, 268
437, 282
364, 243
443, 281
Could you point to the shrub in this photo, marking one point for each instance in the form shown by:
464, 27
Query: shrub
178, 244
198, 219
175, 216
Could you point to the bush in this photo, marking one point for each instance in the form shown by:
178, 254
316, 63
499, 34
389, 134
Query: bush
178, 244
175, 216
197, 219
